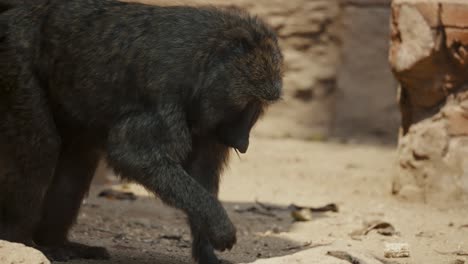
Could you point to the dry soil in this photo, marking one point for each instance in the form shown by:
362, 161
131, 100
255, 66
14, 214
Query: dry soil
280, 172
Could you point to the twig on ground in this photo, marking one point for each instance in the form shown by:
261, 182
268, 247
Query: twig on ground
268, 210
385, 261
171, 237
307, 245
345, 256
355, 260
331, 207
271, 207
456, 252
255, 210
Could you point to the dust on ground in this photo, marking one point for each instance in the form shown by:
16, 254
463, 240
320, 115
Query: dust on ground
283, 171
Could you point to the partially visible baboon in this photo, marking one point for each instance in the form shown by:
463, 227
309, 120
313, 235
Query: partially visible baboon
163, 92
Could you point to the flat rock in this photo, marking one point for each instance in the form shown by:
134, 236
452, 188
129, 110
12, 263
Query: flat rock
14, 253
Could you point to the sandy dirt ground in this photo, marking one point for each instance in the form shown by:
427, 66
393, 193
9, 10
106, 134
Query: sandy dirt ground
280, 172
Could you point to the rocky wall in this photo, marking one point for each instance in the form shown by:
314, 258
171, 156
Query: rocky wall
429, 56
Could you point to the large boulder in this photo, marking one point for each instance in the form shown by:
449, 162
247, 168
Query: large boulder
429, 56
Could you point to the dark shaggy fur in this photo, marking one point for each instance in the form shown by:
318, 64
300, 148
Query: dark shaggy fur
163, 92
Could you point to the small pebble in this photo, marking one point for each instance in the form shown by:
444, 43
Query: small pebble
396, 250
302, 215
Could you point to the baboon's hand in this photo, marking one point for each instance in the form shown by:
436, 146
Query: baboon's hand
222, 233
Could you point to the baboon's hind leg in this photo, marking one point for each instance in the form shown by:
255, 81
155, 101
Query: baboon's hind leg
75, 170
29, 147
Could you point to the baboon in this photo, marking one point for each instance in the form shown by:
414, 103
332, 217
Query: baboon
163, 92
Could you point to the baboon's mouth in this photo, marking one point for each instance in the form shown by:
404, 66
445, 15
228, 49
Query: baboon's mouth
234, 138
243, 146
239, 145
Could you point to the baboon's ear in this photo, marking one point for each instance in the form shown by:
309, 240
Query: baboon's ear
235, 41
240, 40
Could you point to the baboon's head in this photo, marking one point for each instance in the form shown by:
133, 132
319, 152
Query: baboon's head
246, 77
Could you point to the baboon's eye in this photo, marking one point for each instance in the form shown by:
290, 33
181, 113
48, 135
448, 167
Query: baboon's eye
240, 49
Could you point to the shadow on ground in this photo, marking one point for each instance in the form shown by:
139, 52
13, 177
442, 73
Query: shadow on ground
145, 231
